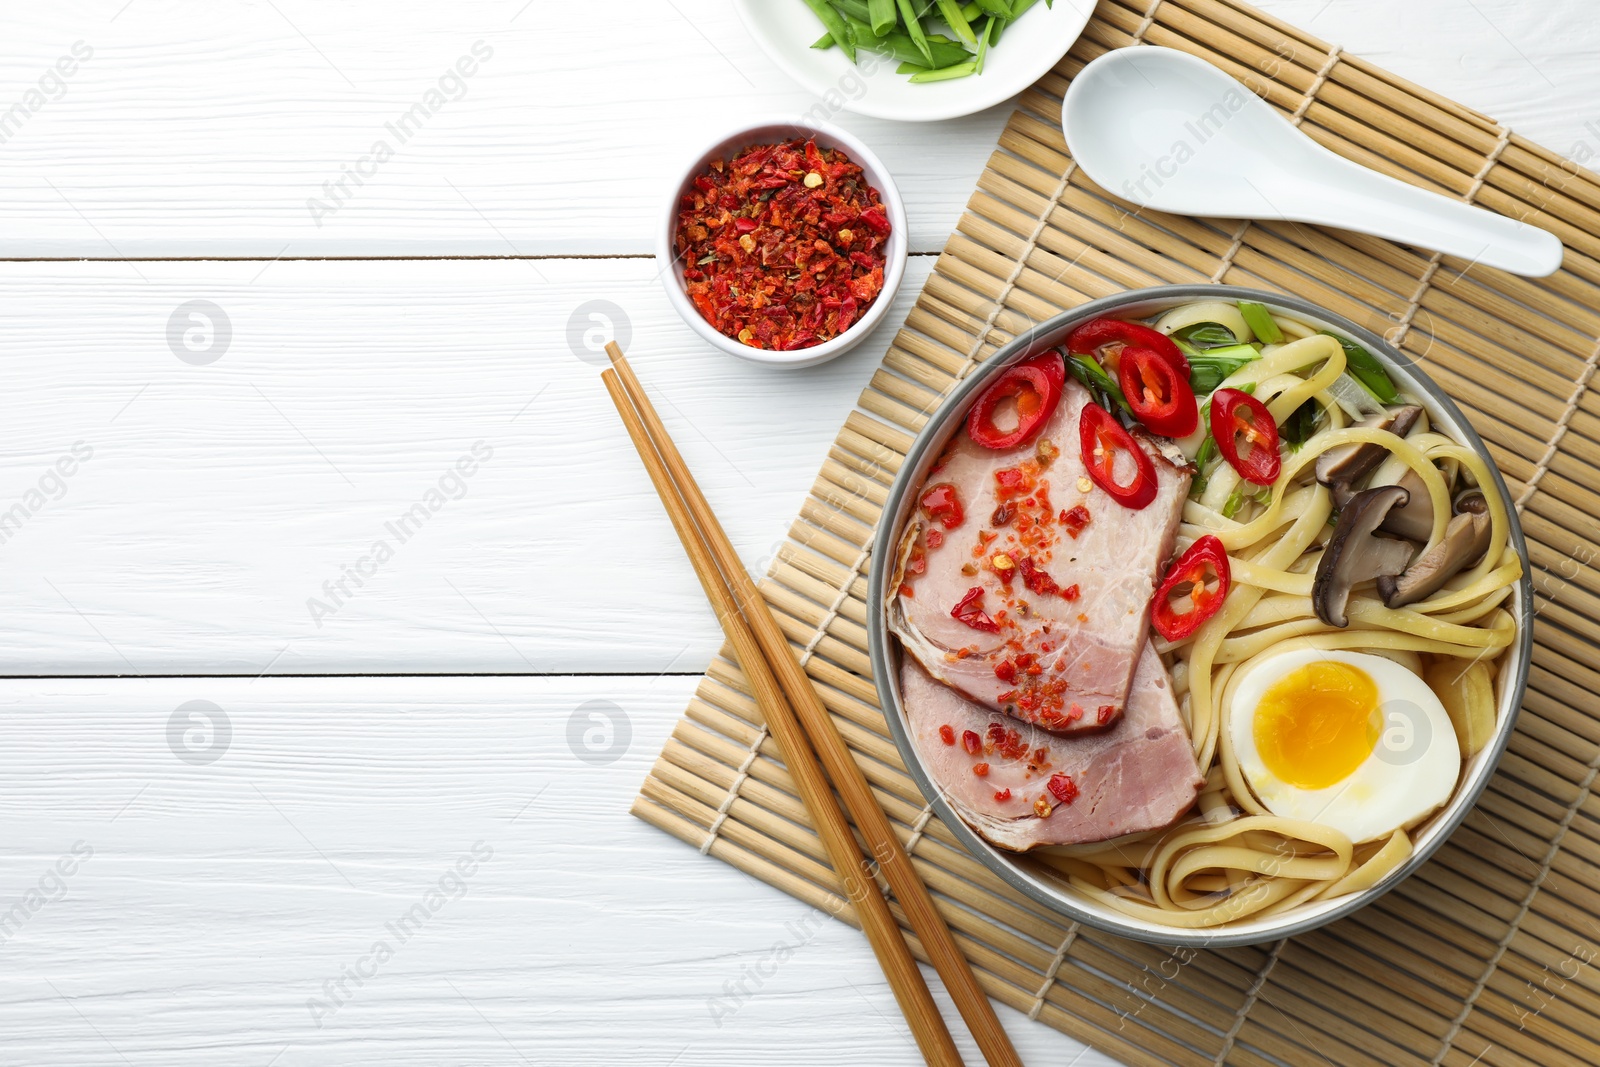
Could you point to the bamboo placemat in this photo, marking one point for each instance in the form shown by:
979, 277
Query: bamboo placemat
1489, 954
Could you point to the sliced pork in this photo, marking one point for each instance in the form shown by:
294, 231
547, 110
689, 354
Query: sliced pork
1026, 586
1021, 787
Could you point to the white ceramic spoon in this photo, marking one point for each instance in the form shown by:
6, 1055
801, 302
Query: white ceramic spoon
1171, 132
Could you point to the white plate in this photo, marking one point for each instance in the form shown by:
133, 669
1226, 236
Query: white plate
1027, 50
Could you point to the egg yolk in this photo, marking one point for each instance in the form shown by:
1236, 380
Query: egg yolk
1318, 723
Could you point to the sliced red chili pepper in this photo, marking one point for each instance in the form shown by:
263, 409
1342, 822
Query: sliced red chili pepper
1234, 415
1188, 579
1035, 384
1112, 335
969, 610
1103, 441
942, 504
1158, 395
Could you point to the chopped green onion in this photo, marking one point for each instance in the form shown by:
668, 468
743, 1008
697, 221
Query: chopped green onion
1300, 425
1097, 381
1366, 369
1209, 369
910, 68
958, 22
1259, 319
824, 42
958, 70
882, 16
1203, 335
1235, 500
983, 45
835, 25
914, 27
903, 48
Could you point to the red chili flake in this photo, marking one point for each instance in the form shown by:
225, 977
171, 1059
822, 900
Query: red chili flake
947, 735
971, 742
1002, 515
1003, 795
935, 539
942, 504
1070, 593
981, 770
1075, 519
1105, 713
1012, 481
1036, 579
906, 591
1006, 671
968, 610
1061, 787
775, 257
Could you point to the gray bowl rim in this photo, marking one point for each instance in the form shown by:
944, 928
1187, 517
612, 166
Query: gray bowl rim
885, 664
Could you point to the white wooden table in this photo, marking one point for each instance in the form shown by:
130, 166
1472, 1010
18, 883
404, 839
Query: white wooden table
207, 883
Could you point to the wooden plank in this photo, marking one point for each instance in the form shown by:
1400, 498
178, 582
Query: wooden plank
213, 907
217, 500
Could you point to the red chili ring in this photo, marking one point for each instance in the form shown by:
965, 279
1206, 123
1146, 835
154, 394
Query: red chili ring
1114, 334
1157, 394
1036, 383
1191, 568
1235, 414
1101, 438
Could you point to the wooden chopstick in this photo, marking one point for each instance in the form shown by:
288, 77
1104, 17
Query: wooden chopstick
877, 921
818, 726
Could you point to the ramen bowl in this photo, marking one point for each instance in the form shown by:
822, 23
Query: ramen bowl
1033, 877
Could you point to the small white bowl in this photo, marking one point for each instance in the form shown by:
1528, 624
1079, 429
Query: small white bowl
1027, 52
894, 266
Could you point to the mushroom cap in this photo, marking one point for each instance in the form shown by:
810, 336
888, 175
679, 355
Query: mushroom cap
1341, 467
1412, 520
1466, 538
1356, 553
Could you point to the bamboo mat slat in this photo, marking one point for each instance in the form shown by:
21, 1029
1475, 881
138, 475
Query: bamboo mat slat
1491, 953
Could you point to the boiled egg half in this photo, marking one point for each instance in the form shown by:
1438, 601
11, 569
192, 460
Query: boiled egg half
1349, 740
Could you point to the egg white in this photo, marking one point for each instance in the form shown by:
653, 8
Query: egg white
1412, 771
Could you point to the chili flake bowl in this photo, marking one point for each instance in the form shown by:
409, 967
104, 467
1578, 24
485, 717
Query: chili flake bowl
1035, 879
894, 264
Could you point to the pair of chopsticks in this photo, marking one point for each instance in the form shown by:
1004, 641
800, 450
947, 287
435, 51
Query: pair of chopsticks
805, 731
